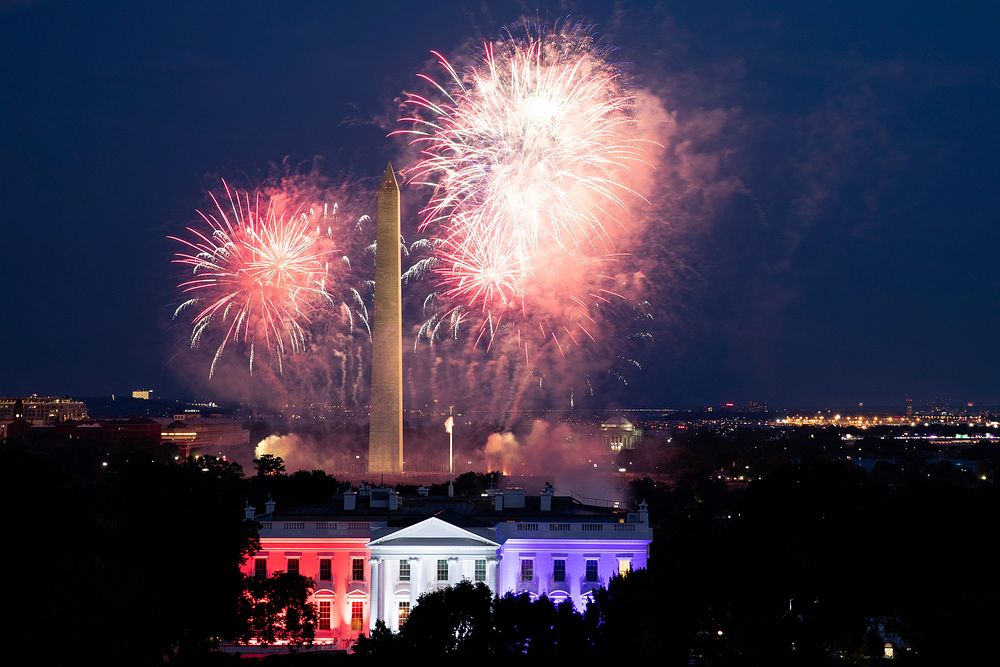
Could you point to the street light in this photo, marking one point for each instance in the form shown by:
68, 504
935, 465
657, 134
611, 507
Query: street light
449, 425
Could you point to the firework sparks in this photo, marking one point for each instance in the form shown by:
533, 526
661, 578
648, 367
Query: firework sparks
527, 151
534, 155
260, 273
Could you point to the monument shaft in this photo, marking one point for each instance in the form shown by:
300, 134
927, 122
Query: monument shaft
385, 435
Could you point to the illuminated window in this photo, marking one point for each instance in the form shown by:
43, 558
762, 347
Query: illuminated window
527, 569
293, 566
624, 566
592, 570
480, 570
404, 570
325, 607
357, 616
325, 569
260, 568
442, 570
404, 613
559, 569
357, 569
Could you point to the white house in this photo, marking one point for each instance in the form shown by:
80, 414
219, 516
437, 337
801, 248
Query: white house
374, 552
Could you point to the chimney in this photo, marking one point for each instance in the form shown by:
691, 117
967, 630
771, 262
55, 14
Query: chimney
513, 497
269, 505
644, 513
393, 500
498, 501
249, 512
350, 500
546, 498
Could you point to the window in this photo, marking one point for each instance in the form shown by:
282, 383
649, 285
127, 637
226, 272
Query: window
357, 569
559, 569
357, 616
592, 570
527, 569
260, 568
326, 569
624, 566
293, 566
404, 612
404, 571
442, 570
480, 570
324, 615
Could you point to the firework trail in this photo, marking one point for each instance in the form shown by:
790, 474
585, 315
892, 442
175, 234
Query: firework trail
264, 270
529, 152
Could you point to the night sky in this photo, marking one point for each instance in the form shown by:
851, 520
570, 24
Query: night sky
838, 242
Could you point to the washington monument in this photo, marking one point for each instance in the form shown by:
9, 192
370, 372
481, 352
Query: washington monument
385, 435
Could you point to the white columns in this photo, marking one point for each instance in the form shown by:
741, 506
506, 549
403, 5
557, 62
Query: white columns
416, 581
375, 595
491, 574
453, 570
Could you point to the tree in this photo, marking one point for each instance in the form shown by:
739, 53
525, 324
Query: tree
269, 465
277, 608
383, 644
454, 621
538, 629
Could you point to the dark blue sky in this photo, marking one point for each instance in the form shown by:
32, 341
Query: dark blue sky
839, 242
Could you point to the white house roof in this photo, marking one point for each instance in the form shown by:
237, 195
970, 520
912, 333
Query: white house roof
429, 532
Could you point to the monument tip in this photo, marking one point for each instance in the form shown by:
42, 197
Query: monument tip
389, 178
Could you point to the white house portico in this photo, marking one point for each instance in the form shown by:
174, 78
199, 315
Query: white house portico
431, 554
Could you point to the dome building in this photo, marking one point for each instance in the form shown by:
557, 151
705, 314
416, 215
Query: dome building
618, 433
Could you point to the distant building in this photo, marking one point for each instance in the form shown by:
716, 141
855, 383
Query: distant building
192, 433
372, 553
40, 410
143, 394
112, 431
909, 407
132, 429
618, 433
757, 406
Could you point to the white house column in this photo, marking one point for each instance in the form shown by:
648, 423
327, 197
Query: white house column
416, 583
374, 606
452, 570
491, 575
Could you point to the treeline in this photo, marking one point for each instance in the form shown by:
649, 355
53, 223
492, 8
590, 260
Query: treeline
132, 557
816, 564
822, 563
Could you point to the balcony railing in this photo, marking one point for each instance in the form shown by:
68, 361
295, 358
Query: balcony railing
566, 529
320, 528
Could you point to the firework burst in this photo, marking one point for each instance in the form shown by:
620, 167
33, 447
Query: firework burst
528, 152
532, 151
261, 269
